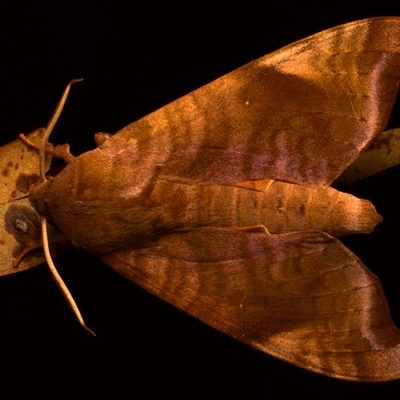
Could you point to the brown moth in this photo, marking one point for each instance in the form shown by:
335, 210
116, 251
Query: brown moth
220, 204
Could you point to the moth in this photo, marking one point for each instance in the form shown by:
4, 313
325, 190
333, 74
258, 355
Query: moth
220, 202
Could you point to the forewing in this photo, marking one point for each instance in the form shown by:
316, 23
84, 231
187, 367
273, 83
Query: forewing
300, 114
302, 297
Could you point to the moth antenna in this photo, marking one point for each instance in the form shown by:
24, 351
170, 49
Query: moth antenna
46, 250
58, 278
50, 126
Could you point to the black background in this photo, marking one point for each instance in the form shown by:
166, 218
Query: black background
135, 59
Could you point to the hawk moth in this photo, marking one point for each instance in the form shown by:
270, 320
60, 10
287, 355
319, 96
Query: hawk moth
220, 204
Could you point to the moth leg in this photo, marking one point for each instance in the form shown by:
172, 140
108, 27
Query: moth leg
59, 240
24, 251
61, 151
101, 137
34, 145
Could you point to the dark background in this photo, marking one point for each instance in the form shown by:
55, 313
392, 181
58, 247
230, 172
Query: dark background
135, 59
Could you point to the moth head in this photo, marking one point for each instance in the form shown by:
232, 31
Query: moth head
36, 195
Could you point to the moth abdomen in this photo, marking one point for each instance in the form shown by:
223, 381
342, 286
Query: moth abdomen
290, 208
279, 206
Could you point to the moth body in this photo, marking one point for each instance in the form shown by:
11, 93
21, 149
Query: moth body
106, 211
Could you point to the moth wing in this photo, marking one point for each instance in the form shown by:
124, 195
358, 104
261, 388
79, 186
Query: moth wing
302, 297
301, 114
